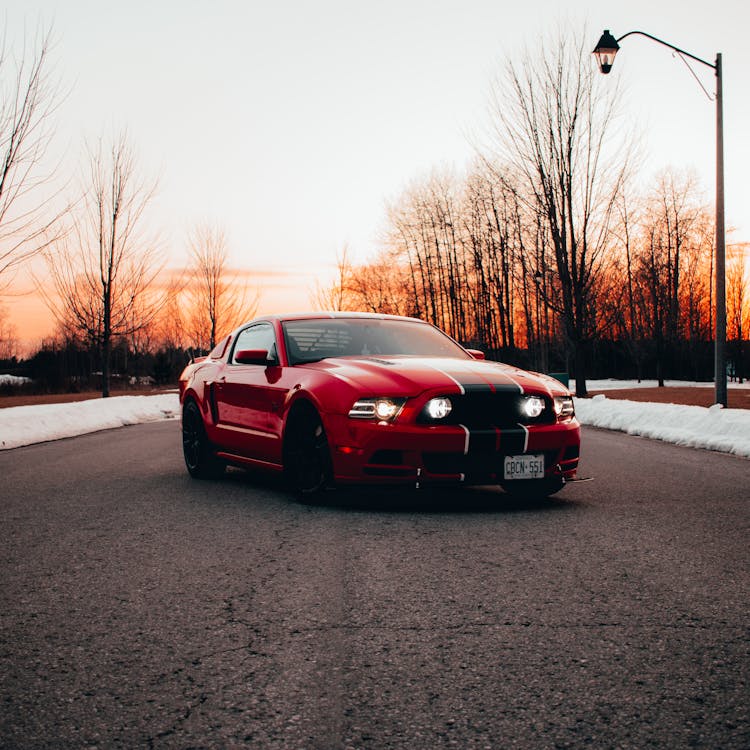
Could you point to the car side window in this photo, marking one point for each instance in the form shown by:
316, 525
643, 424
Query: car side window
258, 336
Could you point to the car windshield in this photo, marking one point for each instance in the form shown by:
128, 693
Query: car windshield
311, 340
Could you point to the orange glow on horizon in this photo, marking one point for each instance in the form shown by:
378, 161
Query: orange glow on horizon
279, 291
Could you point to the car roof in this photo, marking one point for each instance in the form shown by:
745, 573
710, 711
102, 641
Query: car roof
281, 317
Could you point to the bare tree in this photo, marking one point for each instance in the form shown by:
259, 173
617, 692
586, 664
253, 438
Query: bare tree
425, 232
738, 304
170, 322
103, 273
620, 303
337, 295
484, 239
551, 120
8, 336
382, 286
28, 99
669, 264
219, 297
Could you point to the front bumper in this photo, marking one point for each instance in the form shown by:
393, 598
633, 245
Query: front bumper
392, 453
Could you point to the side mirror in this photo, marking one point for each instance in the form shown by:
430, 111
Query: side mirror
252, 357
476, 353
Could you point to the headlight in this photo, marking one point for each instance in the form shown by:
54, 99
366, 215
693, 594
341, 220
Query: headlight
382, 409
564, 406
532, 406
438, 408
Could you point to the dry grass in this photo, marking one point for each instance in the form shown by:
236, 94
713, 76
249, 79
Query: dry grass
66, 398
738, 398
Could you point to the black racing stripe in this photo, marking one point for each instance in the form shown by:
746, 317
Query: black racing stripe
468, 379
483, 441
485, 386
506, 388
512, 441
475, 387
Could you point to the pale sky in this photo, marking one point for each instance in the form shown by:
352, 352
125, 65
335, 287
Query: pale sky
291, 124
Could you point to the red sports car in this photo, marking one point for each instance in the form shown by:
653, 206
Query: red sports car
339, 398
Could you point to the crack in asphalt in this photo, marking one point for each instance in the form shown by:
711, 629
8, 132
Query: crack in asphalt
186, 714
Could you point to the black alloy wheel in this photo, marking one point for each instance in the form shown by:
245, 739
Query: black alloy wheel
307, 458
199, 458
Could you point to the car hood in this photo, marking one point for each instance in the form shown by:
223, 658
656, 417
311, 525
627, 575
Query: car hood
411, 375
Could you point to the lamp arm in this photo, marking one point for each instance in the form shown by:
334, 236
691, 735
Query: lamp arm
671, 46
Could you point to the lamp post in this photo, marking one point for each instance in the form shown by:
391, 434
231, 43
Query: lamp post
605, 52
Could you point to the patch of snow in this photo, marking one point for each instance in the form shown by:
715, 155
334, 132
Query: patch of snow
13, 380
713, 428
24, 425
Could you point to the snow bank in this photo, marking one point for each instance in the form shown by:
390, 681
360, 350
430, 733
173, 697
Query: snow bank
23, 425
714, 428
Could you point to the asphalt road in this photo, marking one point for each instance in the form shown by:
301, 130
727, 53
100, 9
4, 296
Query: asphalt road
139, 608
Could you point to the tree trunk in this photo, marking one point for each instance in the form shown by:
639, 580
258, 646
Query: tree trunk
106, 356
580, 369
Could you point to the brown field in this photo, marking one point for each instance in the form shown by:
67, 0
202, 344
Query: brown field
739, 398
65, 398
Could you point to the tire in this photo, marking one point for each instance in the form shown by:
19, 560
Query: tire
200, 460
307, 456
532, 489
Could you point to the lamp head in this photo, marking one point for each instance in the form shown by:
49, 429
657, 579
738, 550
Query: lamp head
605, 51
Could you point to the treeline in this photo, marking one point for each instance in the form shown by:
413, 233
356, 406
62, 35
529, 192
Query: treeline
470, 256
69, 367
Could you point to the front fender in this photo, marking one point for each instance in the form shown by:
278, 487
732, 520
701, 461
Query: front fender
195, 383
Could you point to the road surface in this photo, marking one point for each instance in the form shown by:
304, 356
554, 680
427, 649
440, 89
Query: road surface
140, 608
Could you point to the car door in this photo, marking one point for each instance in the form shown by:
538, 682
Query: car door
246, 396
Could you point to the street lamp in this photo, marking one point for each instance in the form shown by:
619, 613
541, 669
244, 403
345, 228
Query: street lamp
605, 52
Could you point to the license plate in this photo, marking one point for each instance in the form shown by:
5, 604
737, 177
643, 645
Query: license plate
524, 467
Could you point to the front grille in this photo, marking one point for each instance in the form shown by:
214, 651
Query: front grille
500, 409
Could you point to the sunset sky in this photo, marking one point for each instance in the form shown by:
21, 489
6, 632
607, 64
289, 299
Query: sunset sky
291, 124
